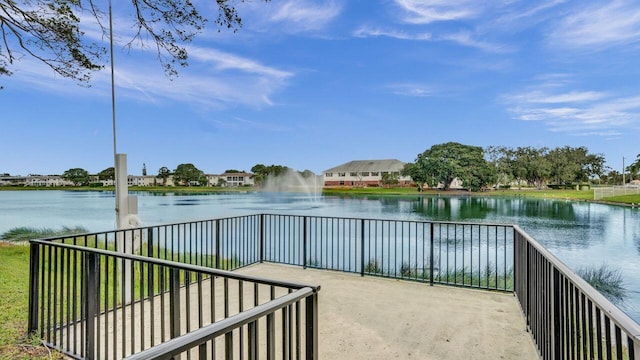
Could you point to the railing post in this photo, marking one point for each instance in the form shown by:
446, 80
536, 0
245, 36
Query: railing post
311, 331
174, 302
150, 242
516, 265
556, 338
431, 253
262, 216
92, 262
253, 340
361, 247
217, 244
34, 286
304, 242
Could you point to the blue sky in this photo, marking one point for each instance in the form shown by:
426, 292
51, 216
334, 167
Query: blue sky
314, 84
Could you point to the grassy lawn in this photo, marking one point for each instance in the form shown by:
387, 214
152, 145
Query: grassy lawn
627, 199
581, 195
14, 289
535, 193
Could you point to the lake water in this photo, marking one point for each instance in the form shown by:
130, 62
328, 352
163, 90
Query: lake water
579, 233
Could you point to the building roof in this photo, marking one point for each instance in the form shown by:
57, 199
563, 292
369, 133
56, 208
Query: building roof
236, 174
369, 165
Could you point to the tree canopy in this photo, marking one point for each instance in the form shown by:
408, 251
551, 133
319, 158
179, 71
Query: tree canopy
186, 174
261, 172
107, 174
442, 163
634, 168
164, 173
53, 31
77, 176
537, 166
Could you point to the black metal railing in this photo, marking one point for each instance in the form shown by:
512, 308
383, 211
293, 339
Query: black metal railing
99, 304
470, 255
566, 316
286, 309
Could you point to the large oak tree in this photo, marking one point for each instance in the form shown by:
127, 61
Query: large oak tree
443, 163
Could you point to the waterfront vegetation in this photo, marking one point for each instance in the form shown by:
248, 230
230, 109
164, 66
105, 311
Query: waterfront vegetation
574, 195
27, 233
607, 280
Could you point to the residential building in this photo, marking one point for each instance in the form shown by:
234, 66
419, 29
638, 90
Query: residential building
365, 173
237, 179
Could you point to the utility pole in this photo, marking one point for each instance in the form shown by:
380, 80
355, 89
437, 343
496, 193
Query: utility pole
623, 179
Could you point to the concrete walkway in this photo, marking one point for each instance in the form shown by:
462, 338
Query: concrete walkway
376, 318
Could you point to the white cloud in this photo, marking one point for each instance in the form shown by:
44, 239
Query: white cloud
538, 96
602, 25
583, 113
411, 89
425, 12
213, 79
241, 124
465, 38
303, 15
519, 15
365, 31
226, 61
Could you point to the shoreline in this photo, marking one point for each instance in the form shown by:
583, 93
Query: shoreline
632, 201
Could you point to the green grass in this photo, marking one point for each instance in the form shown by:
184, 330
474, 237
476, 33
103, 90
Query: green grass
411, 191
625, 199
14, 290
575, 195
14, 284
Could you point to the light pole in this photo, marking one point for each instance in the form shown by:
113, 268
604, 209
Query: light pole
126, 205
623, 179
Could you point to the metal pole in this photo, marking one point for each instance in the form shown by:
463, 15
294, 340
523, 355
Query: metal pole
113, 111
623, 179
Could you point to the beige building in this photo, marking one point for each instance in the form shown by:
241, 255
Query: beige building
365, 173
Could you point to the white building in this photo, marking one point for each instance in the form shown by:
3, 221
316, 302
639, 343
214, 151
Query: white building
365, 173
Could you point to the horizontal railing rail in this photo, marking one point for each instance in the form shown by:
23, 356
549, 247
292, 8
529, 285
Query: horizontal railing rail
566, 316
225, 243
251, 318
461, 254
100, 304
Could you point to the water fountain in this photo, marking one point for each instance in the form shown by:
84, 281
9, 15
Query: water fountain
293, 189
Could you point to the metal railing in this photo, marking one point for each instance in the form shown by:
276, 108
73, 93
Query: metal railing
85, 303
566, 316
470, 255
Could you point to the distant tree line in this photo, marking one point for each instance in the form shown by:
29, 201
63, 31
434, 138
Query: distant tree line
184, 174
495, 166
476, 168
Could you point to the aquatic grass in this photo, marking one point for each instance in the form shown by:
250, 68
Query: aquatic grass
373, 267
29, 233
487, 279
607, 280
